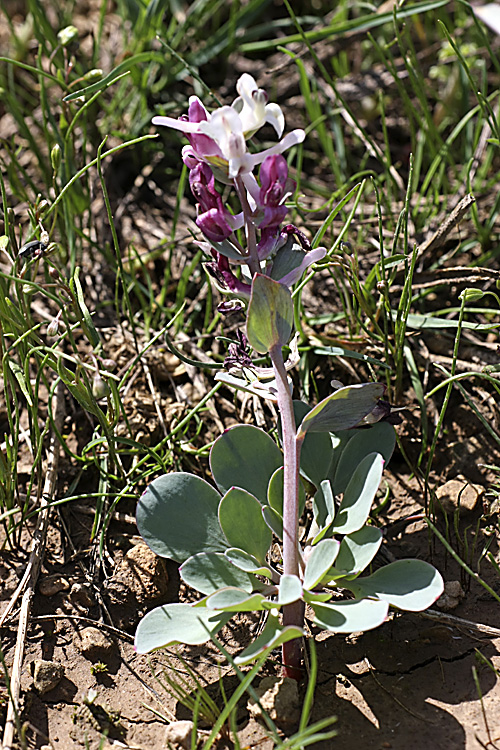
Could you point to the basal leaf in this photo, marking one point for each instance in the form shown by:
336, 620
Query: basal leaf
245, 456
381, 437
407, 584
240, 517
177, 623
320, 561
353, 616
273, 635
177, 517
359, 495
209, 572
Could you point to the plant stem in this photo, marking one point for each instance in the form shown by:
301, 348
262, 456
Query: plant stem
293, 614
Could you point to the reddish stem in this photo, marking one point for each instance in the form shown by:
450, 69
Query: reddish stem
293, 614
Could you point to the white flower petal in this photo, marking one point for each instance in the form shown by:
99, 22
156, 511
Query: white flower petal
275, 117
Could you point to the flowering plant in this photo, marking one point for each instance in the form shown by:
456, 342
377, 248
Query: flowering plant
223, 536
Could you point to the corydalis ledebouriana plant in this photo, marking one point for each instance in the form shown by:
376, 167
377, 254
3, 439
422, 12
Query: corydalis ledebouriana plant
218, 150
222, 535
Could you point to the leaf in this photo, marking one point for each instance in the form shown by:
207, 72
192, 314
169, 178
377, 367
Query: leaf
343, 409
421, 322
262, 389
407, 584
177, 623
290, 590
316, 451
240, 517
357, 550
320, 561
76, 287
177, 517
272, 636
381, 437
274, 520
353, 616
20, 376
247, 562
323, 506
236, 600
209, 572
275, 492
340, 351
270, 314
359, 495
245, 456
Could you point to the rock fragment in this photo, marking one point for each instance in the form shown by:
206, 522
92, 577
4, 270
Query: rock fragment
94, 644
458, 494
52, 585
46, 675
179, 734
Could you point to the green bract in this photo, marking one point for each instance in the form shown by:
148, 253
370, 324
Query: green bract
223, 536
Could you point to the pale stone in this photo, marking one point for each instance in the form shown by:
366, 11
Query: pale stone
179, 734
459, 494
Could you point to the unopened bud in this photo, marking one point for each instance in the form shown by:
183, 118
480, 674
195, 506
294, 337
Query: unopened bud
54, 273
93, 75
53, 328
381, 285
67, 36
100, 389
471, 295
55, 157
109, 364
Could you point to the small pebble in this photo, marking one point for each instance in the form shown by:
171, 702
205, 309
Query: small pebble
459, 494
46, 675
179, 733
52, 585
94, 644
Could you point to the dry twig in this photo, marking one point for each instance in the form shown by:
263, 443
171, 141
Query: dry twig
30, 577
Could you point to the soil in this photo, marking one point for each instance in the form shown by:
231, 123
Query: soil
417, 682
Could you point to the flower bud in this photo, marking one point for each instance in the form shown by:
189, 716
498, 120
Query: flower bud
55, 157
93, 75
67, 36
53, 328
100, 389
471, 295
109, 364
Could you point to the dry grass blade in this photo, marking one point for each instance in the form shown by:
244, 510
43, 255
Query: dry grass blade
29, 581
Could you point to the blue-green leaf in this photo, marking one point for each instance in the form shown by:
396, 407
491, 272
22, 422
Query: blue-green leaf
177, 517
357, 550
290, 590
240, 517
245, 456
209, 572
353, 448
247, 562
177, 623
273, 635
353, 616
407, 584
359, 495
320, 561
236, 600
274, 520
